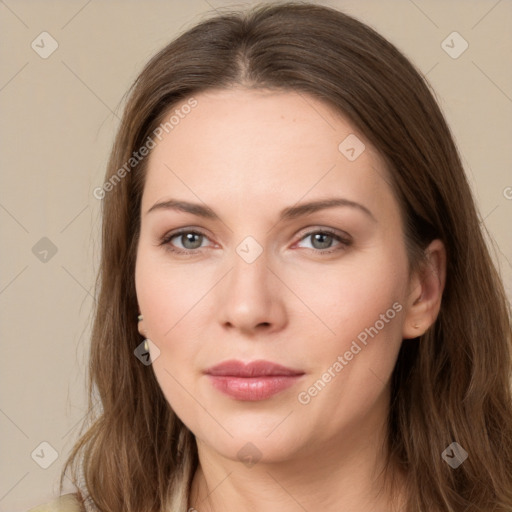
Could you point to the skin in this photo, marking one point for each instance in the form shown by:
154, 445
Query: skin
248, 155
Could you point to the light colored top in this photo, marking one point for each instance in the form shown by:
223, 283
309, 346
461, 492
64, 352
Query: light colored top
64, 503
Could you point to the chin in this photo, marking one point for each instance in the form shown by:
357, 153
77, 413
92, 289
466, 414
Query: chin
254, 440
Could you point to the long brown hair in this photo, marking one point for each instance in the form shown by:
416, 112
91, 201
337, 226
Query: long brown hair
452, 384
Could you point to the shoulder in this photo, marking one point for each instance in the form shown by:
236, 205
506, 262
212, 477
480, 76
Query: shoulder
64, 503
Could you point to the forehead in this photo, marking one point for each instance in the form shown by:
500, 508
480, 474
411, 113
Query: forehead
262, 146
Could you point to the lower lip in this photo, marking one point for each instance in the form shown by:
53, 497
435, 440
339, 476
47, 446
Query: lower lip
253, 388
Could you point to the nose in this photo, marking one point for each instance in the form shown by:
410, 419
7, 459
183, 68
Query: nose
251, 299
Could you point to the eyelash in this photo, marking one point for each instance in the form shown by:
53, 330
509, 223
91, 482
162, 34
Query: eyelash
165, 241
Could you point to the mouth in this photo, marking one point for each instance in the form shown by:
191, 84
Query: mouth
257, 380
260, 368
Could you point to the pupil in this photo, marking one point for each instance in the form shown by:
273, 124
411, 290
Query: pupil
189, 238
326, 240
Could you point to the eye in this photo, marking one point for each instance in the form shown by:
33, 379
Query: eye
190, 241
324, 238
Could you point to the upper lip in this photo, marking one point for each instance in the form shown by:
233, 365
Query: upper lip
258, 368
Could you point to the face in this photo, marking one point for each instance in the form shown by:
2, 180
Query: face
251, 274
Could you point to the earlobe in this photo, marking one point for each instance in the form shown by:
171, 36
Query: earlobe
140, 326
427, 290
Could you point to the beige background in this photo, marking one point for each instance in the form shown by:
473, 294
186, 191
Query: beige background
59, 116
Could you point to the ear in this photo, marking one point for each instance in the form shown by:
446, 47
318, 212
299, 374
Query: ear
425, 292
142, 330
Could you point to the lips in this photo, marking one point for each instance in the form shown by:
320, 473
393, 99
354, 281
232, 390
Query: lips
260, 368
257, 380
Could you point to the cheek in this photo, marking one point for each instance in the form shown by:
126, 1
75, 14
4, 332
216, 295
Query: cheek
175, 303
352, 367
172, 313
345, 299
359, 309
169, 294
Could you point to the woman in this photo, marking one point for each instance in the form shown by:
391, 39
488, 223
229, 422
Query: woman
296, 308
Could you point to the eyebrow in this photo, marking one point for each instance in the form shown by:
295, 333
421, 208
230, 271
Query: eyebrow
289, 213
